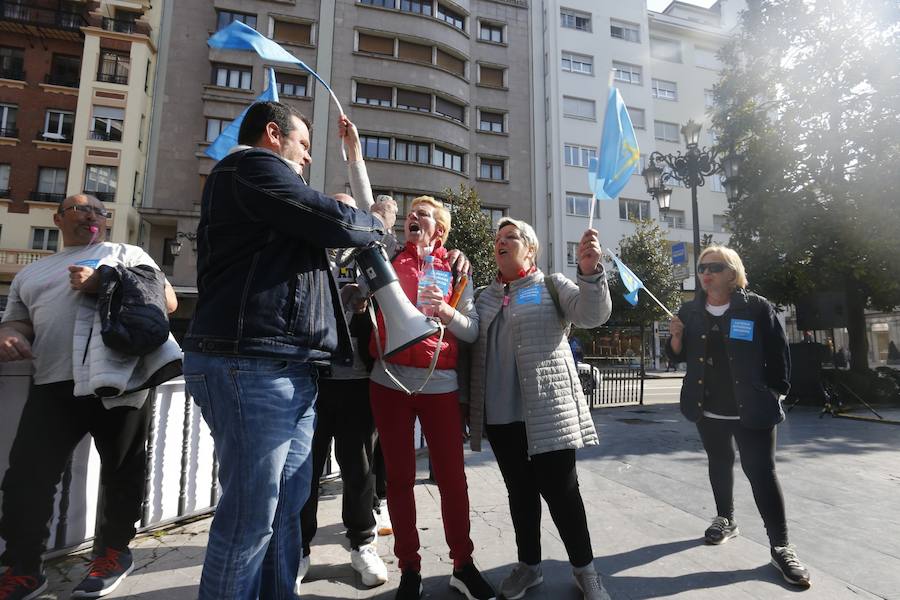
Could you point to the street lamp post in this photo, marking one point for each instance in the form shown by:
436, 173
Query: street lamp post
691, 169
175, 244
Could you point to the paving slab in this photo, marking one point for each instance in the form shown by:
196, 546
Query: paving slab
648, 502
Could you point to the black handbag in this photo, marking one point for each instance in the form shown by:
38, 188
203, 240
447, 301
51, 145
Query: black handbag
132, 305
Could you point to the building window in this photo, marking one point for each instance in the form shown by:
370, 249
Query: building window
374, 95
214, 128
572, 19
375, 44
224, 18
410, 100
491, 76
417, 52
638, 120
65, 70
709, 98
114, 67
494, 214
450, 16
664, 49
673, 218
5, 170
448, 159
44, 239
101, 181
449, 109
623, 30
58, 125
627, 73
422, 7
634, 209
375, 147
720, 223
8, 116
667, 132
232, 76
413, 152
493, 169
491, 121
579, 108
577, 63
717, 183
51, 185
572, 254
579, 205
706, 58
12, 60
490, 32
579, 156
292, 32
291, 85
108, 123
450, 62
381, 3
665, 90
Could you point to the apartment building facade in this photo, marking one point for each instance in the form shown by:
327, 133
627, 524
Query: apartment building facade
439, 89
664, 65
75, 90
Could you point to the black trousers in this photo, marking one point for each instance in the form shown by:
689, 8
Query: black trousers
52, 424
550, 475
757, 448
343, 413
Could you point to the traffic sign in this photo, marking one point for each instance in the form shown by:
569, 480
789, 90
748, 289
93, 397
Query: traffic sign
679, 253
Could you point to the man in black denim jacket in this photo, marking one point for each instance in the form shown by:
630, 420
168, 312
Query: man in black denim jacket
268, 309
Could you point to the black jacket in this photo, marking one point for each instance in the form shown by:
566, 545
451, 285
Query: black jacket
265, 286
759, 361
132, 306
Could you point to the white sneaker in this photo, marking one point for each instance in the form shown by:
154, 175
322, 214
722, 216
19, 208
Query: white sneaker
369, 565
301, 573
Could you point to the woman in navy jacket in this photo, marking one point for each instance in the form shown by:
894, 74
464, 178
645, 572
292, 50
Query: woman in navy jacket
738, 367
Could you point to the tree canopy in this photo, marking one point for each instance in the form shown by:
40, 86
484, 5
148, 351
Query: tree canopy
470, 231
808, 101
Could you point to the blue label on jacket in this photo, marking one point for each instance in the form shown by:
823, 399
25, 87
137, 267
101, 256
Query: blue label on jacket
443, 279
741, 329
88, 262
529, 295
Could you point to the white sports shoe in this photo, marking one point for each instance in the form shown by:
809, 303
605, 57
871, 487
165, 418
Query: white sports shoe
301, 573
369, 565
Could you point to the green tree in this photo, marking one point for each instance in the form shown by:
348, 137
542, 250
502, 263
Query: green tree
471, 232
647, 254
808, 100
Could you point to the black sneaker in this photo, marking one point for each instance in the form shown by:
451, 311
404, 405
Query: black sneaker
785, 560
720, 531
16, 584
469, 582
106, 573
410, 587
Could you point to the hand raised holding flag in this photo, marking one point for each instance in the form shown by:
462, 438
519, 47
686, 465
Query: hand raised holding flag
589, 253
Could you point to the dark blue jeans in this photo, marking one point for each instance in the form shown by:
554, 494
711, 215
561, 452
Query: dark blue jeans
262, 415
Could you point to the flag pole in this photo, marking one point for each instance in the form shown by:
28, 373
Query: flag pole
591, 215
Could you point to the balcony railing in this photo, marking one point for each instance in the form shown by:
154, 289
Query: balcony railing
102, 196
13, 72
118, 25
22, 257
106, 136
62, 80
65, 137
46, 197
47, 17
112, 78
9, 133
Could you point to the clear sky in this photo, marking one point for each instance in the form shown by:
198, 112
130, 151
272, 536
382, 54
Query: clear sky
658, 5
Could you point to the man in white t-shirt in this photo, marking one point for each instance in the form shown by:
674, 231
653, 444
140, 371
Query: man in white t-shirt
39, 325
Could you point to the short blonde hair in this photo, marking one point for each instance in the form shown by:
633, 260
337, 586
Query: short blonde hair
730, 258
527, 231
441, 214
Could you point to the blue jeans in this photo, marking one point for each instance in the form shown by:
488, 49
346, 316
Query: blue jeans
262, 416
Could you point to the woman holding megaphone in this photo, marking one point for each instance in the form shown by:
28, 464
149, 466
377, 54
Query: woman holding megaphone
435, 403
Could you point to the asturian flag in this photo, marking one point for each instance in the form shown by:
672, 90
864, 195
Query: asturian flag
619, 153
229, 136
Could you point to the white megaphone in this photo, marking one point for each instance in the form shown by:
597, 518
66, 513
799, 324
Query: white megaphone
404, 325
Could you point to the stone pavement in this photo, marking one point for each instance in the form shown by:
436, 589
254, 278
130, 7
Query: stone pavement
648, 502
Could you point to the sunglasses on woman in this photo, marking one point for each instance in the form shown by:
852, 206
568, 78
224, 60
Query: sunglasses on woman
712, 267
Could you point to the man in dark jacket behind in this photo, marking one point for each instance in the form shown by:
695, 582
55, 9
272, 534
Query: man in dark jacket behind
267, 311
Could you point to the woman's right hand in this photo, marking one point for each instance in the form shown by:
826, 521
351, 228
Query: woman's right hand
676, 329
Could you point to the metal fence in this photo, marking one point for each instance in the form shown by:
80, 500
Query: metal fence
612, 380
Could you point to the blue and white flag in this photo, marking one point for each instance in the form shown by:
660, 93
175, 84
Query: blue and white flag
228, 139
631, 282
619, 153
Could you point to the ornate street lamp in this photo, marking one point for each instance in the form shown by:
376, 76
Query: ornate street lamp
691, 169
175, 244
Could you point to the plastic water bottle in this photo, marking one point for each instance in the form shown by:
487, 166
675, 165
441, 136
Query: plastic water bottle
427, 278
